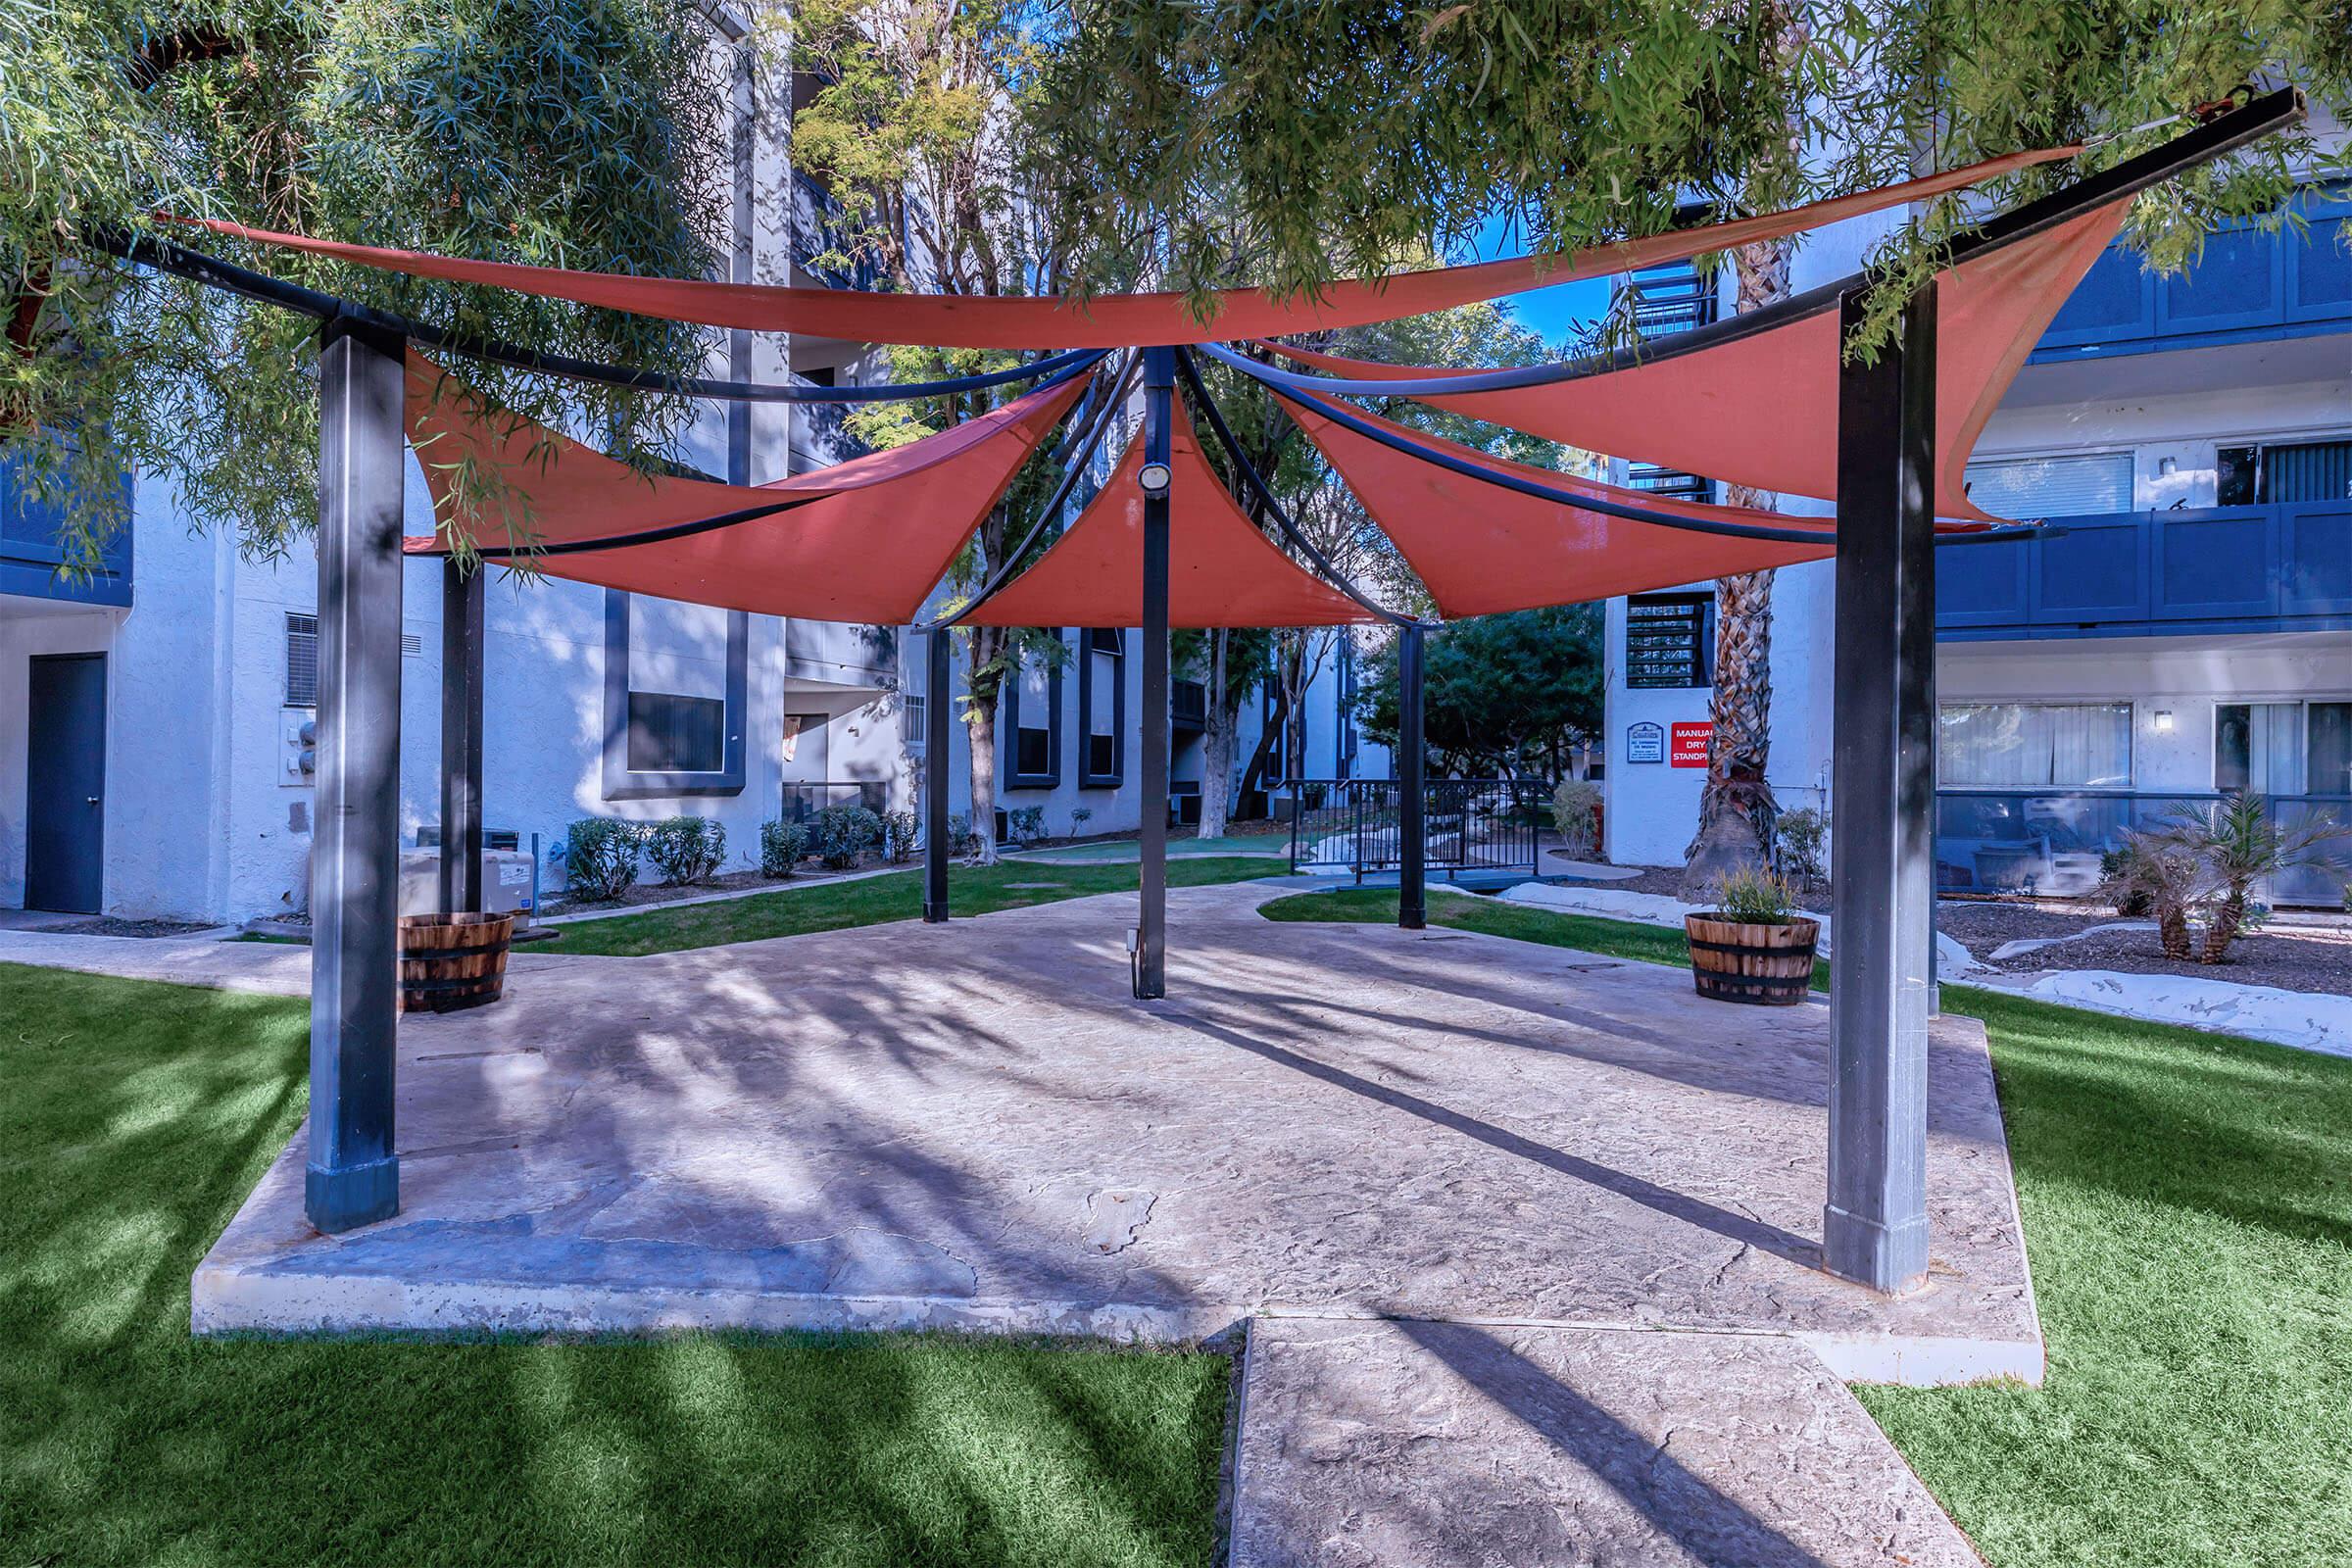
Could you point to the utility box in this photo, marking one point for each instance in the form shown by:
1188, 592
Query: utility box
505, 882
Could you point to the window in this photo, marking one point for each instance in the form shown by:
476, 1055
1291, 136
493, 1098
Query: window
2077, 484
302, 661
673, 734
2282, 748
1669, 640
2282, 475
676, 692
1032, 715
913, 728
2034, 745
1103, 708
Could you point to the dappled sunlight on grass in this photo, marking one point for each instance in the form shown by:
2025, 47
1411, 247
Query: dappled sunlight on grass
133, 1119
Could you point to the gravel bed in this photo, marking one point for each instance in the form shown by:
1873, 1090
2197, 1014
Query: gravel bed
2296, 960
109, 926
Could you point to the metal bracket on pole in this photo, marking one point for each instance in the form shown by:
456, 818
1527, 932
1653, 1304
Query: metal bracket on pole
1151, 929
460, 738
939, 680
1412, 786
1874, 1227
352, 1175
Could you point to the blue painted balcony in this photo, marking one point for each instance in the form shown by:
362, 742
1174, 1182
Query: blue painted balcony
30, 555
2282, 567
2248, 286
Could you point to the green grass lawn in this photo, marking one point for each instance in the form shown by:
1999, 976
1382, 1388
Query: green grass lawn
873, 900
2187, 1200
133, 1119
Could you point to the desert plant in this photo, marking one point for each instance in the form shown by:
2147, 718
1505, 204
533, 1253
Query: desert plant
687, 848
1801, 838
600, 859
2237, 843
897, 835
1576, 813
2160, 879
781, 846
844, 832
1027, 823
1753, 896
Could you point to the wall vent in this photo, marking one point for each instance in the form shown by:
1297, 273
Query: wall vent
302, 661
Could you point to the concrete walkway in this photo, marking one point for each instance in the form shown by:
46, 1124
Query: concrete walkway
1525, 1240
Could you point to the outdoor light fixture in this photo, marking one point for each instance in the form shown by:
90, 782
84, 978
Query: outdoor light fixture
1154, 477
2164, 721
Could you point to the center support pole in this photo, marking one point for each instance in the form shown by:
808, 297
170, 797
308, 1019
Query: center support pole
352, 1176
1152, 923
1412, 786
460, 738
937, 677
1875, 1229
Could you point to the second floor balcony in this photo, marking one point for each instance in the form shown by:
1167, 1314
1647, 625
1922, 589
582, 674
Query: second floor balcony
2281, 567
2248, 285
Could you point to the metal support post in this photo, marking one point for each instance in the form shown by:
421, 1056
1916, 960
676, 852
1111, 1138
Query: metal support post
1412, 786
1151, 926
1875, 1229
939, 679
353, 1176
461, 739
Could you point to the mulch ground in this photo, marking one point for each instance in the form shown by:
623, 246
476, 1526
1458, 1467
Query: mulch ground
109, 926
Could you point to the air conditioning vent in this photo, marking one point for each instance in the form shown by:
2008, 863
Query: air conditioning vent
302, 661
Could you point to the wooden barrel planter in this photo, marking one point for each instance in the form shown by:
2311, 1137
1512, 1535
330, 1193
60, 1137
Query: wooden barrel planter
449, 962
1765, 964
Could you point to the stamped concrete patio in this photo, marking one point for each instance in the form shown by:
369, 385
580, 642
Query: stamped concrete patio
1492, 1158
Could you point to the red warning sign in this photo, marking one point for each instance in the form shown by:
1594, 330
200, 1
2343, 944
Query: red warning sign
1690, 749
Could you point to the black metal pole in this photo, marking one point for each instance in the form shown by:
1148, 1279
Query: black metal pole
353, 1175
1875, 1227
1412, 770
461, 739
1151, 926
939, 679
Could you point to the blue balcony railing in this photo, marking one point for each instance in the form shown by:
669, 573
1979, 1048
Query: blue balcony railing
2246, 285
29, 552
2282, 567
2049, 842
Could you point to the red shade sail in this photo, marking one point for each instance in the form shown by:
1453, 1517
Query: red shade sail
1479, 549
1221, 570
866, 540
1762, 411
1119, 320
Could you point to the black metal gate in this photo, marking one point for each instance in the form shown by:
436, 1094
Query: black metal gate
1349, 825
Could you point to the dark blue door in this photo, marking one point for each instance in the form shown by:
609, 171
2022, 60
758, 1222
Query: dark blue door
65, 783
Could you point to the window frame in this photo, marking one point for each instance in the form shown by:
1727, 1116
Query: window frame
1116, 653
620, 781
1008, 740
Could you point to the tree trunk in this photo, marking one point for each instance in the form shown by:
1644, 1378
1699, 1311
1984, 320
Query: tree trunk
1216, 744
980, 728
1735, 808
2172, 931
2223, 928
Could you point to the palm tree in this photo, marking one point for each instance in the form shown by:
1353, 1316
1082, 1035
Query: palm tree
2237, 843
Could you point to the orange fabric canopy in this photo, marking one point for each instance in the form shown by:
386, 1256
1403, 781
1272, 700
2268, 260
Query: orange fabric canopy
1119, 320
866, 540
1222, 571
1479, 549
1762, 410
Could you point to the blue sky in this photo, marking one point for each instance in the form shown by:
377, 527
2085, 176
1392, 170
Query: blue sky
1557, 313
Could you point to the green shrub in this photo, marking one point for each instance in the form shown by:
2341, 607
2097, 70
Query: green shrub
1576, 813
844, 833
1802, 837
1755, 896
781, 846
600, 859
962, 842
687, 848
898, 837
1027, 823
